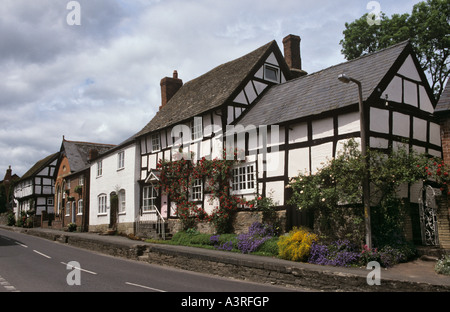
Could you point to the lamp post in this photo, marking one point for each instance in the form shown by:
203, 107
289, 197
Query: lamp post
366, 190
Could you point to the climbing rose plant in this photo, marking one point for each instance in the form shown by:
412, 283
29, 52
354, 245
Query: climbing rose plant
178, 177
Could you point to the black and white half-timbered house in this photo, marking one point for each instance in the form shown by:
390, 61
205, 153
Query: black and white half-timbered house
316, 113
35, 190
195, 115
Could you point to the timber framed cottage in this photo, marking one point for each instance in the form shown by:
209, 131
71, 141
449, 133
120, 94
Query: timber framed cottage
34, 191
317, 113
196, 115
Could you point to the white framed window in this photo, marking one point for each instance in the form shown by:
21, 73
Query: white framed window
81, 180
196, 128
99, 168
271, 73
196, 191
244, 178
68, 205
149, 196
121, 160
122, 202
80, 207
156, 146
102, 203
50, 201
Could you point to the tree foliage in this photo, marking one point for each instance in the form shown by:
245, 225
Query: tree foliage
334, 192
427, 28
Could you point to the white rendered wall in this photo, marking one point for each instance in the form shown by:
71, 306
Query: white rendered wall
114, 179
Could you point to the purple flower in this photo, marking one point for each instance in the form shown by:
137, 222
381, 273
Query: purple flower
257, 234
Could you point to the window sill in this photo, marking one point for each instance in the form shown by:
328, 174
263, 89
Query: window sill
244, 192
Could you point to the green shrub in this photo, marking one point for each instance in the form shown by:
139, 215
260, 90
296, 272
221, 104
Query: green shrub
11, 219
269, 247
71, 227
189, 238
296, 245
443, 265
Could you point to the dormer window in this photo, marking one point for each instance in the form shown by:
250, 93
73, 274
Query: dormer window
271, 73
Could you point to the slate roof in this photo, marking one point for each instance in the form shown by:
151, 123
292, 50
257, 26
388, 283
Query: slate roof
321, 92
208, 91
444, 100
77, 153
38, 166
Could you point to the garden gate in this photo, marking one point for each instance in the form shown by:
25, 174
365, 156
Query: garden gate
428, 216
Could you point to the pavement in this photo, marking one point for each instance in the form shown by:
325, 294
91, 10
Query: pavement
417, 275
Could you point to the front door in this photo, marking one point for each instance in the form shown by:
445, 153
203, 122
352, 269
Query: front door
114, 204
73, 212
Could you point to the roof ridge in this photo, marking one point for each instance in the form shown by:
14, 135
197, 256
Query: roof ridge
223, 78
91, 143
405, 42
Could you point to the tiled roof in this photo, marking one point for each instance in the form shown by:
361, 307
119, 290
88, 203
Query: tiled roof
320, 92
208, 91
38, 166
444, 100
78, 153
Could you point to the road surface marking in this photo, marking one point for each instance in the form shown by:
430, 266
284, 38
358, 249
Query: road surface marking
24, 246
90, 272
40, 253
7, 285
146, 287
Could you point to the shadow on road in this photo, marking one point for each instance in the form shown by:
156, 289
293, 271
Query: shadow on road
6, 241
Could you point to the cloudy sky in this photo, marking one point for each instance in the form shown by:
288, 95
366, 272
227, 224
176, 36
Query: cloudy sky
99, 81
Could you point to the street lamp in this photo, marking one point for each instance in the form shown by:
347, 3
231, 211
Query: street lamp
366, 191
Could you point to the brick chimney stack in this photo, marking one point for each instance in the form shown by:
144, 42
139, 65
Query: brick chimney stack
291, 45
8, 175
169, 86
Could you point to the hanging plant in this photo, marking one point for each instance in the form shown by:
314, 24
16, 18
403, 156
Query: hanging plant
78, 189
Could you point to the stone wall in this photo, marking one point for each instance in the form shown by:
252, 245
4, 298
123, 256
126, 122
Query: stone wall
3, 219
241, 223
443, 218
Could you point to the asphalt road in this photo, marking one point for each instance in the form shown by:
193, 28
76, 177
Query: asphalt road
33, 264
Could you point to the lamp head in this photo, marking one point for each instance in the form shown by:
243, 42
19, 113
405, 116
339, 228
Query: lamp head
344, 78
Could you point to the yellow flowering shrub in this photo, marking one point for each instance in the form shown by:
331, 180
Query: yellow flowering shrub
296, 245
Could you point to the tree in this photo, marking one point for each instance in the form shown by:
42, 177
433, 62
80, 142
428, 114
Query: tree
427, 28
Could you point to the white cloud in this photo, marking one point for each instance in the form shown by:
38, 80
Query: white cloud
99, 82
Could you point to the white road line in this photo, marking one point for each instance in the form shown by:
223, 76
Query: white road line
7, 286
90, 272
40, 253
24, 246
146, 287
